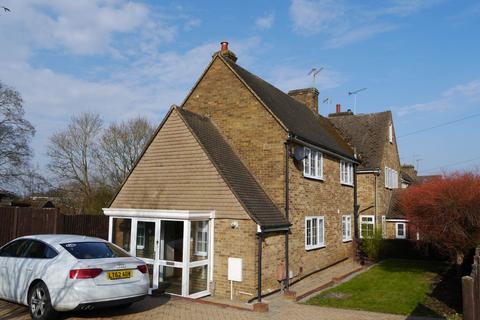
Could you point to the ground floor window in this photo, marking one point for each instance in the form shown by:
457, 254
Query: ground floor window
400, 230
347, 228
314, 232
367, 226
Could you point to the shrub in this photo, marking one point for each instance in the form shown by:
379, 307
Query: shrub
372, 247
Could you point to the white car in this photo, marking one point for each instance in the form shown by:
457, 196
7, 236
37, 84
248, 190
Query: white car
52, 273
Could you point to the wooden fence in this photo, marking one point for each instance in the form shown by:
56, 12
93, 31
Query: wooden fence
17, 222
471, 290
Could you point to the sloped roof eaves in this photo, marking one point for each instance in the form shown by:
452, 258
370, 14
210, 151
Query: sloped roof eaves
367, 133
394, 208
247, 190
293, 115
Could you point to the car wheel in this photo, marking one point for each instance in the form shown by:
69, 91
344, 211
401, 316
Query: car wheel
39, 303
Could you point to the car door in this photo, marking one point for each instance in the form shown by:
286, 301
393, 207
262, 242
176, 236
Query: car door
11, 257
36, 258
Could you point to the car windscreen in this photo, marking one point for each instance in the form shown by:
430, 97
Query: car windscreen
93, 250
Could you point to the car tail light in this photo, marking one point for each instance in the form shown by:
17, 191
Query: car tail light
85, 273
142, 268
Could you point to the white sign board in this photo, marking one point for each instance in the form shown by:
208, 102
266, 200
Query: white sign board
235, 269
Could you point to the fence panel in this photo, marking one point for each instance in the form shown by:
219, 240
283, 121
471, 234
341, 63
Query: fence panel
471, 291
17, 222
88, 225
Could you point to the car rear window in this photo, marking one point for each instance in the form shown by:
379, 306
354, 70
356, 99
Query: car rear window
93, 250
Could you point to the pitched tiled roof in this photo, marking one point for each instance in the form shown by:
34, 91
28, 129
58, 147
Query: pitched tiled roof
394, 208
365, 132
294, 115
406, 177
247, 190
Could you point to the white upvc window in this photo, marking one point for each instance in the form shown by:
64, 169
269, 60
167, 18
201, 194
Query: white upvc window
367, 226
314, 232
391, 178
346, 173
346, 228
313, 164
141, 235
400, 230
390, 133
201, 238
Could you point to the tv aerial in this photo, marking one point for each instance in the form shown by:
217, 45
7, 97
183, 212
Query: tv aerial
354, 93
314, 72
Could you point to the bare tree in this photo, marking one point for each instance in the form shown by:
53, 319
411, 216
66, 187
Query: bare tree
15, 135
72, 152
120, 146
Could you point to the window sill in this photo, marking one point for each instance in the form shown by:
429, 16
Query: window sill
314, 178
347, 240
346, 184
315, 248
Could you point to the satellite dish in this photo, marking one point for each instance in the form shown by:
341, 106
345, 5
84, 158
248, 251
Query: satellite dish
299, 153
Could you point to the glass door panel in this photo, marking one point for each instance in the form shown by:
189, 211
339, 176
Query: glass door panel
171, 279
199, 241
172, 241
145, 244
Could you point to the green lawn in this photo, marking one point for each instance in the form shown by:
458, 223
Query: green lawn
393, 286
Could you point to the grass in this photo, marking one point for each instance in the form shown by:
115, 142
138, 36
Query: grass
393, 286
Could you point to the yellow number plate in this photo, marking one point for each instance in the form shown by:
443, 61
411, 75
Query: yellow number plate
123, 274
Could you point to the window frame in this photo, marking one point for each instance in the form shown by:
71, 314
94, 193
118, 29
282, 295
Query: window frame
390, 133
361, 223
391, 178
318, 235
404, 236
202, 230
318, 164
347, 226
346, 170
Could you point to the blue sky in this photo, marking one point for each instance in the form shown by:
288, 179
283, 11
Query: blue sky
418, 58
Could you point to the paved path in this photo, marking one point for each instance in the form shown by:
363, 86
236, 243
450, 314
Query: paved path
166, 308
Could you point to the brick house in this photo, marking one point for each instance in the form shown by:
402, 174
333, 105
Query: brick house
240, 185
379, 175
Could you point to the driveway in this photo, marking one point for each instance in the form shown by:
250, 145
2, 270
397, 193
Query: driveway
167, 308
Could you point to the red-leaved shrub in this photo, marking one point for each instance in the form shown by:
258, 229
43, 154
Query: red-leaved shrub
446, 211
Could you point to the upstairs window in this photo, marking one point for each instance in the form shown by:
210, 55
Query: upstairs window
346, 173
313, 164
390, 133
347, 228
391, 178
314, 232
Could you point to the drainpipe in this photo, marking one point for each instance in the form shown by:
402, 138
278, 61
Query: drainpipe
287, 277
260, 238
355, 205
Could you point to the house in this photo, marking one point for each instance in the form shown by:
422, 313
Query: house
379, 173
242, 189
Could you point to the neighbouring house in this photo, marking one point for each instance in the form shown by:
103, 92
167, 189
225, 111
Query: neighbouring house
35, 202
241, 187
379, 173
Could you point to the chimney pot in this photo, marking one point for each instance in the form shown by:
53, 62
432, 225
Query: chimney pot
339, 108
224, 46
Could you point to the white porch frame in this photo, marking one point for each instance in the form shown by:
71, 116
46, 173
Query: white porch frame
157, 216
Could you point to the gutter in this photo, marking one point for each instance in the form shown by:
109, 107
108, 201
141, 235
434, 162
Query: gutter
322, 149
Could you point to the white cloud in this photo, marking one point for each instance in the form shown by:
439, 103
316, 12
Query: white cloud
461, 95
265, 22
343, 23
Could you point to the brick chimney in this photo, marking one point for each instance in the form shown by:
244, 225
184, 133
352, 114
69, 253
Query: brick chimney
339, 112
224, 51
410, 170
308, 97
